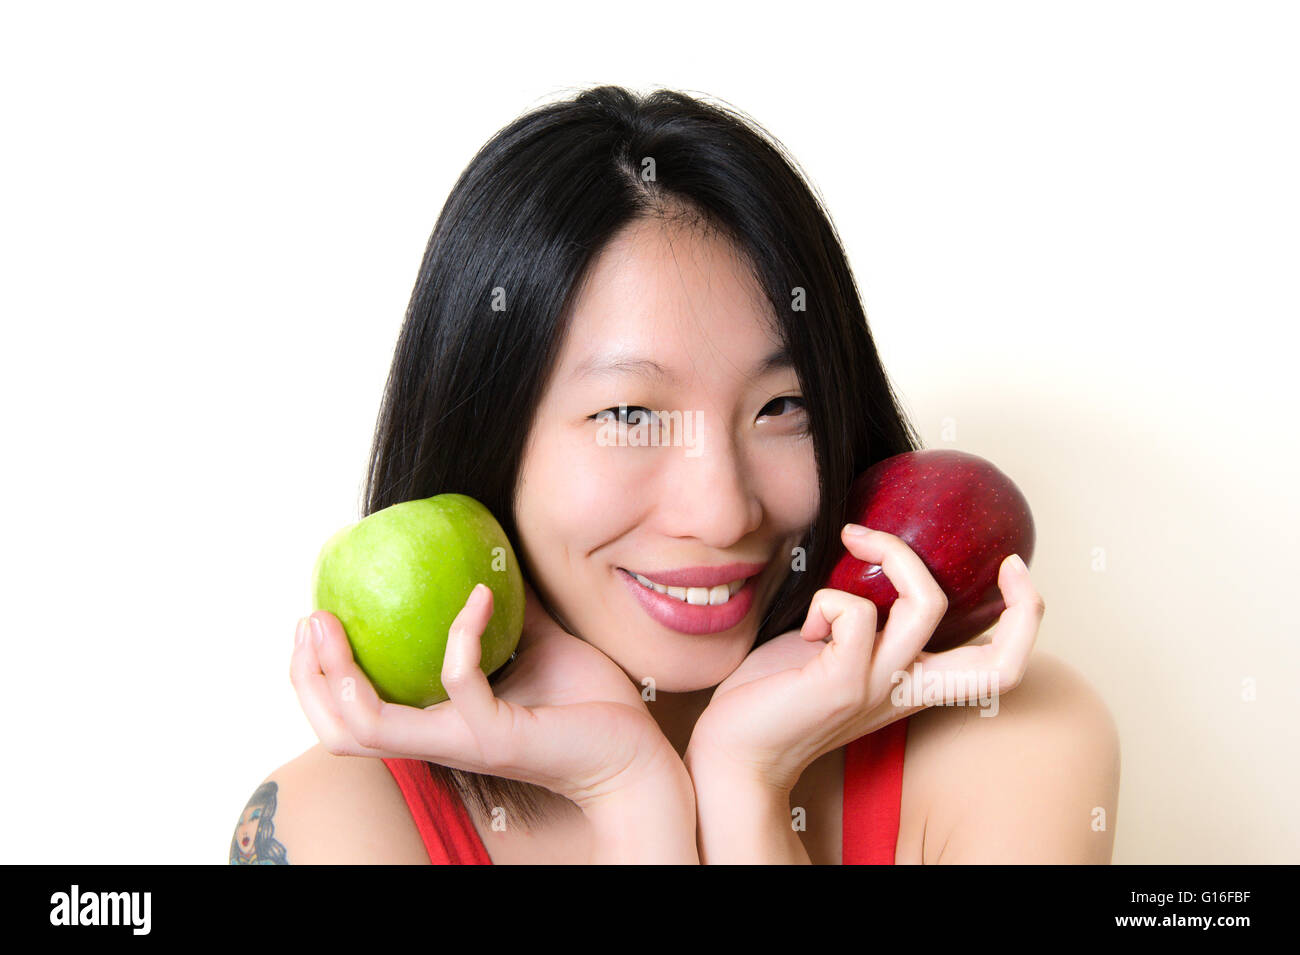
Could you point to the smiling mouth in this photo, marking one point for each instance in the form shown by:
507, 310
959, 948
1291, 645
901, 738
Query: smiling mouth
696, 596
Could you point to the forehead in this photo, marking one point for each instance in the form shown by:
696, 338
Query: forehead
663, 297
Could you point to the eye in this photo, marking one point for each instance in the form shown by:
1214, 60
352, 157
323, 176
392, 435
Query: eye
635, 415
796, 400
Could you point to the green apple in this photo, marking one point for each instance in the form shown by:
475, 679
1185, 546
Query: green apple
397, 579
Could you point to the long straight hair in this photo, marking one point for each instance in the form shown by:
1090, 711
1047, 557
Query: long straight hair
491, 306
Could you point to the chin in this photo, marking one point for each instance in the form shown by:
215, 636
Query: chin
691, 675
686, 685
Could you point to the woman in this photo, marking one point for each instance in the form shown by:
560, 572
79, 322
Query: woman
656, 270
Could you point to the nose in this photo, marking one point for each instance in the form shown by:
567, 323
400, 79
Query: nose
710, 495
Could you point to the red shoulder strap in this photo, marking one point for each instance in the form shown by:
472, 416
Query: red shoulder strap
444, 823
873, 795
873, 788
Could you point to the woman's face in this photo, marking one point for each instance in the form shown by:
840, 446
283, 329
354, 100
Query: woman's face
732, 478
246, 831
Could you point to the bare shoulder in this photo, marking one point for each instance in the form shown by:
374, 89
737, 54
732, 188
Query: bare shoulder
1034, 780
324, 809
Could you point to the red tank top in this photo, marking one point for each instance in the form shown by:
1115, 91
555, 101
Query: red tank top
873, 787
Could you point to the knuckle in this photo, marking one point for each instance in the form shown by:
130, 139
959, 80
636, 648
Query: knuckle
848, 696
819, 597
367, 732
1010, 674
454, 675
863, 614
937, 606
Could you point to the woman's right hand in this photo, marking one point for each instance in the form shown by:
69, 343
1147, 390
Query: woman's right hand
564, 716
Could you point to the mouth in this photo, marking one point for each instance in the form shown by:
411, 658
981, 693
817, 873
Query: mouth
695, 596
702, 608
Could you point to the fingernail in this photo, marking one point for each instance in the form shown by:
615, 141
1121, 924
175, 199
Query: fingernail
317, 631
855, 529
301, 633
1018, 564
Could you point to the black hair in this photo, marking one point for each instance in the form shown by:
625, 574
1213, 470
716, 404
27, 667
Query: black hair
540, 199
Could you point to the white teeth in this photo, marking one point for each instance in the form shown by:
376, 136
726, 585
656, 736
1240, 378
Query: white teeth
698, 596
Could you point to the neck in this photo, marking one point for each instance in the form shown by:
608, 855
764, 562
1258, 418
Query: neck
676, 714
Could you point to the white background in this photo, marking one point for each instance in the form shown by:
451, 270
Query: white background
1075, 230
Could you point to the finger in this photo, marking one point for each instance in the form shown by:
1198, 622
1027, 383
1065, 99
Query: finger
462, 677
850, 622
1017, 628
829, 605
921, 602
929, 682
316, 698
439, 733
351, 693
1013, 637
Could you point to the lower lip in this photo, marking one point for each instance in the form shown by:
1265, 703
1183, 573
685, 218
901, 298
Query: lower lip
689, 618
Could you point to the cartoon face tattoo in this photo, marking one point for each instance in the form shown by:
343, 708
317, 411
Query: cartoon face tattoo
254, 840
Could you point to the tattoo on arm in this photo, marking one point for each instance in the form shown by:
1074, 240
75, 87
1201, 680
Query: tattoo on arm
254, 841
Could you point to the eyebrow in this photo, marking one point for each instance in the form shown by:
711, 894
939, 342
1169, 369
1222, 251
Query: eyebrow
607, 365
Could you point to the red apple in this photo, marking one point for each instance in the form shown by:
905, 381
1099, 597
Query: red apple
962, 517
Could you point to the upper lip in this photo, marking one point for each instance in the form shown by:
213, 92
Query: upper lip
700, 576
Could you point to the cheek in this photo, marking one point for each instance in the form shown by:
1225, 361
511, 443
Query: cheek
574, 495
790, 490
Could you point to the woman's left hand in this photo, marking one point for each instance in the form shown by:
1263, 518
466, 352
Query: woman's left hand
810, 691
